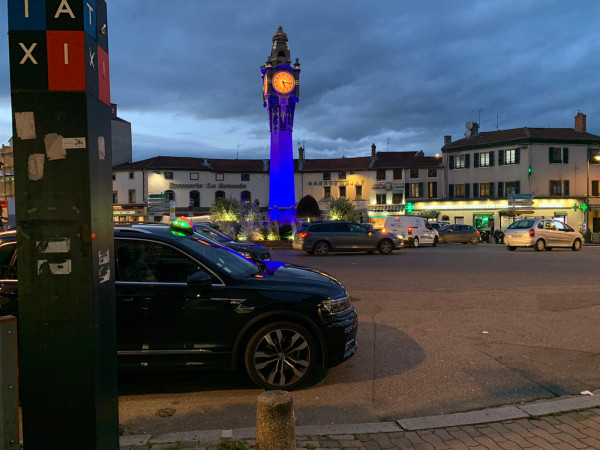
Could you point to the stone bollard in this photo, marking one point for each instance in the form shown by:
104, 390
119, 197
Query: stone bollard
275, 427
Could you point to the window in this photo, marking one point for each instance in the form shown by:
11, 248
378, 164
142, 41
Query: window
415, 190
115, 197
245, 177
327, 192
219, 195
326, 176
245, 197
556, 188
432, 173
168, 175
195, 199
509, 157
219, 176
432, 189
510, 187
484, 159
397, 174
358, 191
414, 173
459, 162
380, 174
558, 155
132, 196
459, 190
396, 199
595, 188
131, 175
342, 191
171, 195
342, 175
484, 190
194, 176
381, 199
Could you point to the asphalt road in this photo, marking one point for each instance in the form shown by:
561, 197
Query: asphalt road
442, 330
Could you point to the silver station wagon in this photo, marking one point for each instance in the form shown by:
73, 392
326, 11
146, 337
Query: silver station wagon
542, 234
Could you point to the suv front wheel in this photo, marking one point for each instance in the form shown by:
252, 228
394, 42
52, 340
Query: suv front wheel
281, 355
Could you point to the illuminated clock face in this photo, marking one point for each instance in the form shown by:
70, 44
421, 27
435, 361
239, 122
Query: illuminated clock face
284, 82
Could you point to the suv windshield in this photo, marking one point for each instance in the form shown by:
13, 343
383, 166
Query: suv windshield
521, 224
232, 263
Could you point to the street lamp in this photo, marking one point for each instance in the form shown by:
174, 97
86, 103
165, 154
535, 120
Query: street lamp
592, 154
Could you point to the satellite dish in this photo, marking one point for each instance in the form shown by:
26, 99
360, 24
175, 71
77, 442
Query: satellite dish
469, 125
468, 132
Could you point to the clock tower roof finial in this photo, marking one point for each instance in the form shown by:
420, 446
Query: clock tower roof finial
280, 54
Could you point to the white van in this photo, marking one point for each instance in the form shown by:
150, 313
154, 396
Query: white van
416, 230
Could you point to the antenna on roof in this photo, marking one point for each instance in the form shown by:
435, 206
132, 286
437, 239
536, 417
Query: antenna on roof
387, 145
237, 152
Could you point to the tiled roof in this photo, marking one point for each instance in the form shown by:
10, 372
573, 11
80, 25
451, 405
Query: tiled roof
383, 160
520, 135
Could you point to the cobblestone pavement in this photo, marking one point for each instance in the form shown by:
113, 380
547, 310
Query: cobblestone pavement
572, 430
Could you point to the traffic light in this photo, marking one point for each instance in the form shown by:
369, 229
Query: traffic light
529, 171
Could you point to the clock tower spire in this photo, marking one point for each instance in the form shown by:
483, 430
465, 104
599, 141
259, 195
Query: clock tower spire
281, 88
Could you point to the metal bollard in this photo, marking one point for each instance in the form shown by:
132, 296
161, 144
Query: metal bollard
275, 427
9, 395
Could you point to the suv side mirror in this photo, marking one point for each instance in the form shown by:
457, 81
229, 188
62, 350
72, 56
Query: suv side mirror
200, 279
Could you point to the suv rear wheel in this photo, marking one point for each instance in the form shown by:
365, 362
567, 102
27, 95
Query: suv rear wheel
281, 355
540, 245
321, 248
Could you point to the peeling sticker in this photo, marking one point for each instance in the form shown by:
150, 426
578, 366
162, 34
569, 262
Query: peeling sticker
101, 148
25, 124
62, 245
103, 257
54, 146
35, 166
74, 142
62, 268
104, 273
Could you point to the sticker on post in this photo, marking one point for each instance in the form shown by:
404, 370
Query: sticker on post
104, 265
73, 143
61, 268
54, 146
101, 148
35, 166
25, 125
61, 245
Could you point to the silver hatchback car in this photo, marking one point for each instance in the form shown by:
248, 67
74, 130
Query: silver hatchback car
541, 234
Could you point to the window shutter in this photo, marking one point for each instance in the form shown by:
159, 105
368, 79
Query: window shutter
518, 156
467, 161
491, 190
475, 160
451, 162
467, 190
550, 193
565, 188
475, 190
450, 191
434, 189
565, 155
500, 157
517, 187
550, 160
595, 188
407, 190
491, 158
421, 190
500, 189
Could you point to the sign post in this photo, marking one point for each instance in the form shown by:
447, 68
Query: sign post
61, 114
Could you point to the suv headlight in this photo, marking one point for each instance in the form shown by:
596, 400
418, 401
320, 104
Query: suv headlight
333, 308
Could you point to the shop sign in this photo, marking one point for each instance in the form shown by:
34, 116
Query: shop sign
467, 206
125, 212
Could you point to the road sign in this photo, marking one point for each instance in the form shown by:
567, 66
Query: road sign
190, 208
158, 196
520, 202
520, 196
192, 201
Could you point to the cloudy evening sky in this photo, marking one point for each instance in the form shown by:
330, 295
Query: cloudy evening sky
401, 74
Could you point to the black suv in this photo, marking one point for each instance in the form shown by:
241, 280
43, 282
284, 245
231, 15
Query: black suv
184, 300
256, 252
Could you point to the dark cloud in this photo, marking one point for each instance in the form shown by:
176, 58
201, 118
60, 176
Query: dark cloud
410, 72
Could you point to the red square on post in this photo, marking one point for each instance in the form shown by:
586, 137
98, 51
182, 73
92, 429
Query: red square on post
103, 77
66, 60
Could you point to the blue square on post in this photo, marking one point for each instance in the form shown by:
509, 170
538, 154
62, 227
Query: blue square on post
89, 18
26, 15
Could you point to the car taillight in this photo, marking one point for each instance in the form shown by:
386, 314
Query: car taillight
477, 231
304, 235
383, 230
409, 230
532, 232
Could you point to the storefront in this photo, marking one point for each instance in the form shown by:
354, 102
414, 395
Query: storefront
129, 213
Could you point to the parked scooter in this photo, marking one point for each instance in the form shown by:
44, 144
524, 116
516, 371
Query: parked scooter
485, 236
499, 237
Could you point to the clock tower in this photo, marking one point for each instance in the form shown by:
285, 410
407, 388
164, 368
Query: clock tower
281, 87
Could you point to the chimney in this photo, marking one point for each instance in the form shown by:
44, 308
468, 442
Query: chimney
447, 140
113, 110
475, 129
373, 151
420, 153
301, 154
580, 121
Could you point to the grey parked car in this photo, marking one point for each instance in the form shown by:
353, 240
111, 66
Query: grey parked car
541, 234
320, 238
459, 233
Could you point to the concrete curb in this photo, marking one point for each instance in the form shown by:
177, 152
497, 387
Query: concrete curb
500, 414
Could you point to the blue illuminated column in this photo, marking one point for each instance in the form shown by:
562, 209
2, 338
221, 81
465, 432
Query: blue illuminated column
281, 85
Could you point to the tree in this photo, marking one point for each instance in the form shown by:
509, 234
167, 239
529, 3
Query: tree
225, 210
342, 209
